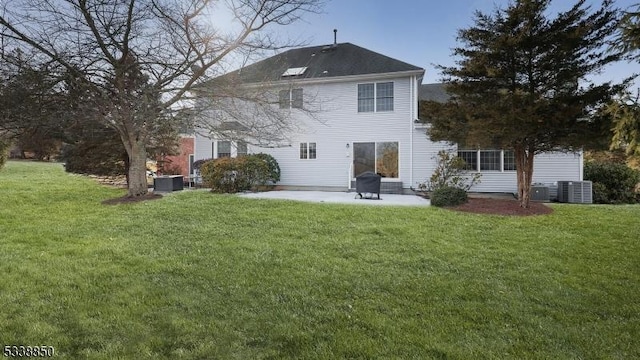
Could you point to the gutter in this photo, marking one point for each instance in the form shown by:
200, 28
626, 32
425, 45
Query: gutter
325, 80
412, 93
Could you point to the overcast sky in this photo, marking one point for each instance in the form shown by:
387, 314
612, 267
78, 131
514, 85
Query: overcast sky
419, 32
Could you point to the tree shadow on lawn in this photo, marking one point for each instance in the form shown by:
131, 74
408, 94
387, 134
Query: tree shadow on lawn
132, 199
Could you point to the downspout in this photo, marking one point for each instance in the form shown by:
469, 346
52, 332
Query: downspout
581, 165
349, 176
195, 135
413, 103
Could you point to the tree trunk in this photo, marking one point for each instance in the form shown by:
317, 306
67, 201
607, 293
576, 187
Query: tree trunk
137, 179
524, 171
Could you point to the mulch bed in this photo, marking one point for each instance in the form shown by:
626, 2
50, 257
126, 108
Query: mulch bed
132, 199
508, 207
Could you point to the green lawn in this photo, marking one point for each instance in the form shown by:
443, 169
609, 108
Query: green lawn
198, 275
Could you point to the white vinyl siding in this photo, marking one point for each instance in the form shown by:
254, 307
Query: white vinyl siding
335, 127
339, 125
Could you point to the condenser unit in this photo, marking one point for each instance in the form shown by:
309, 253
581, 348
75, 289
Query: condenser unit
575, 192
539, 192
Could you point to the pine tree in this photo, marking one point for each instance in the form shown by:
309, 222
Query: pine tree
520, 82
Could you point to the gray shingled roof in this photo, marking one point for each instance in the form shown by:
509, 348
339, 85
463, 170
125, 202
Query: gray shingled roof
433, 92
325, 61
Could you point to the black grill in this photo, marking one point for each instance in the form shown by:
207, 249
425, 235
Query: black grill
368, 183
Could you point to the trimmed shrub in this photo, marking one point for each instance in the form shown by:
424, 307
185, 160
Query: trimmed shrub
273, 169
448, 196
612, 183
231, 175
254, 170
219, 175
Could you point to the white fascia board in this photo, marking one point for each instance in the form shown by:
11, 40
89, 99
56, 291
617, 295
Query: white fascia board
336, 79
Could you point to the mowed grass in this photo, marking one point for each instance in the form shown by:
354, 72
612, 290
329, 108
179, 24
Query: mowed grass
201, 276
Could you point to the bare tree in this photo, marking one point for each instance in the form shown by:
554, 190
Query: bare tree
143, 57
252, 112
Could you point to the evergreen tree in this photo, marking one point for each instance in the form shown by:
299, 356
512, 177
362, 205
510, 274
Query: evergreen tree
520, 82
629, 35
626, 110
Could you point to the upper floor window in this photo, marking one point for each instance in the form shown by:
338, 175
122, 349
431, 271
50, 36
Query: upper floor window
375, 97
290, 99
307, 150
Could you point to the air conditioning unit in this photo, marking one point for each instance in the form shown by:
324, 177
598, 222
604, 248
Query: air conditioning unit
539, 192
575, 192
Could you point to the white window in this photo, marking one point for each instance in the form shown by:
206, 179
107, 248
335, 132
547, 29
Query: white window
241, 147
488, 160
366, 97
509, 160
470, 157
384, 96
375, 97
378, 157
224, 149
290, 99
307, 150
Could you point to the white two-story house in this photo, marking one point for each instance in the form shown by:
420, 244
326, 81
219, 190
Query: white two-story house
354, 110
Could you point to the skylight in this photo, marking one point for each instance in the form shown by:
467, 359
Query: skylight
294, 71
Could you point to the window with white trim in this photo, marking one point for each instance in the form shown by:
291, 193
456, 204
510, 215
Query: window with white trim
376, 97
378, 157
488, 160
509, 160
241, 148
289, 99
384, 96
224, 149
470, 157
308, 150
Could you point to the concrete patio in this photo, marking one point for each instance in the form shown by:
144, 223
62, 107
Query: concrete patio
340, 198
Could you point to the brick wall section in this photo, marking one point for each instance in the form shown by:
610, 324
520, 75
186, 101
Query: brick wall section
182, 159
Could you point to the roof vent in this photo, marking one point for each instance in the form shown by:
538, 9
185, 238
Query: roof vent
335, 42
296, 71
